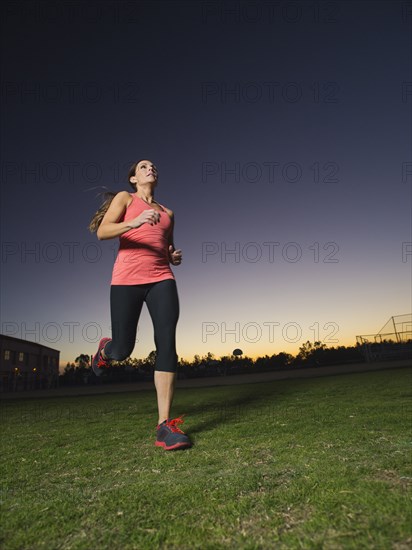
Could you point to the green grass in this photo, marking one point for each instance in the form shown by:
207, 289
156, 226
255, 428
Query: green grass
312, 463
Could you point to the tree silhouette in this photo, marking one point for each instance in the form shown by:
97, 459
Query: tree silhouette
308, 350
151, 358
69, 367
82, 361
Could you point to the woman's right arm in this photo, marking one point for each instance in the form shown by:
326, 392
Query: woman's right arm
110, 228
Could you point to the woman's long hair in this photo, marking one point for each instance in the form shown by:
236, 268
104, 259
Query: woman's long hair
108, 197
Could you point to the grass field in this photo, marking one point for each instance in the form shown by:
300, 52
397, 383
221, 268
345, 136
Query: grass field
315, 463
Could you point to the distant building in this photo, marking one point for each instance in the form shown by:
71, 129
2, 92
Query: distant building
27, 365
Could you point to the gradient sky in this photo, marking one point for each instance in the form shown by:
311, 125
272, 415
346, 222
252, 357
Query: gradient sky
269, 122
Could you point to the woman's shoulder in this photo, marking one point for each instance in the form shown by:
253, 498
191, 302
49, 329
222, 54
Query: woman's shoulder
170, 212
124, 198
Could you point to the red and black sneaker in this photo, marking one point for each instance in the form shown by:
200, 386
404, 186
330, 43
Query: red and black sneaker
98, 363
170, 437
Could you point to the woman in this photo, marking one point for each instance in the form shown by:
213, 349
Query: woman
141, 273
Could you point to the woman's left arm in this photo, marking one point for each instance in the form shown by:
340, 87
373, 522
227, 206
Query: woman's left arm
175, 256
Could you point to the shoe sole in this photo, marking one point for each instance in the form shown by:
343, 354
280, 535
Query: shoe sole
97, 371
172, 447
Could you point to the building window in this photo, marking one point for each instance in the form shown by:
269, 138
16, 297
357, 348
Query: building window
21, 356
7, 354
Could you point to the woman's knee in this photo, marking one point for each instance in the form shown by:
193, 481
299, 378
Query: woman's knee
166, 362
118, 352
120, 356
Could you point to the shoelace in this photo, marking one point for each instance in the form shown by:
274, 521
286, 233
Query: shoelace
172, 424
102, 362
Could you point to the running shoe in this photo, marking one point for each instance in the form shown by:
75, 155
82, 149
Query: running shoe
98, 363
170, 436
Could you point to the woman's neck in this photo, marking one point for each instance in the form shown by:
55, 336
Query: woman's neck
147, 196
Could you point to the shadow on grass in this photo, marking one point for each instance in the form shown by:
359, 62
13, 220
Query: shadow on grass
225, 411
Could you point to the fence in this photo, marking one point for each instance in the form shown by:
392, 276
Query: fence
393, 341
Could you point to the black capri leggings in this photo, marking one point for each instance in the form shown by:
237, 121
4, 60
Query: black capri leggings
126, 302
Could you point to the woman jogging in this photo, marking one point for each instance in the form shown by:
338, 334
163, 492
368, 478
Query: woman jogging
141, 273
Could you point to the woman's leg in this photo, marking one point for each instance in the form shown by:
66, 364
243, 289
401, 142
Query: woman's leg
163, 305
126, 303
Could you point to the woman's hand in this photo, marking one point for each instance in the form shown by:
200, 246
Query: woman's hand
151, 217
175, 256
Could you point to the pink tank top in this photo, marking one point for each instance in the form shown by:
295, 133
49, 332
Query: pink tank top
143, 255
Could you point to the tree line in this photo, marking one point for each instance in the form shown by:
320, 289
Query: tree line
132, 369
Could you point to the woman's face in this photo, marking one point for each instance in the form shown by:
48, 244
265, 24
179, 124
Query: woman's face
146, 172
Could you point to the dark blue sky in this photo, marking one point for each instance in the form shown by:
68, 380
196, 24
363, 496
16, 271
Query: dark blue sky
281, 132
